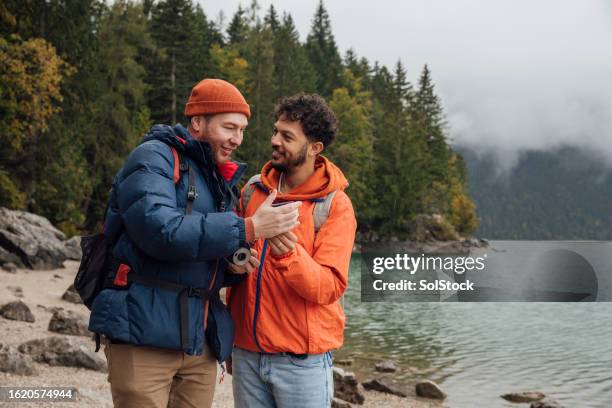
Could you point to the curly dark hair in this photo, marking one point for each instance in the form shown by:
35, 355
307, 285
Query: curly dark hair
318, 121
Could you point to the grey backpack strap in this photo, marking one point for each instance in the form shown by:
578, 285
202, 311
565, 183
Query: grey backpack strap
321, 211
320, 215
247, 192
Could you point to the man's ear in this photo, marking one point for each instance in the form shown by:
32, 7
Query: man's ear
196, 122
316, 148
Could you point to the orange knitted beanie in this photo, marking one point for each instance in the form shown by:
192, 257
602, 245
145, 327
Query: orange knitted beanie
216, 96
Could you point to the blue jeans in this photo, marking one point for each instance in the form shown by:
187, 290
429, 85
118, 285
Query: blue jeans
281, 380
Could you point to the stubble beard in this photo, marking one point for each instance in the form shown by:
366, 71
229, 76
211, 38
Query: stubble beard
298, 161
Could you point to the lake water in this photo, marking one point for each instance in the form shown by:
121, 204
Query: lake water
478, 351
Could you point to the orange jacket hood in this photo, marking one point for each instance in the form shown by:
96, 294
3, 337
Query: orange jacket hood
326, 178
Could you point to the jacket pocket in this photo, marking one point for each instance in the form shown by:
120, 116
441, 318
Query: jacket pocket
109, 315
220, 330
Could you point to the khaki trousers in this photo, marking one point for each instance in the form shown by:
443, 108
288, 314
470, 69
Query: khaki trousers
159, 378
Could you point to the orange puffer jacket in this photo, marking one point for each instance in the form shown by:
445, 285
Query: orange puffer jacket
299, 293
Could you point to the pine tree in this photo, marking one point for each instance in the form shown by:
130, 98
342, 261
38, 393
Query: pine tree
176, 26
122, 116
387, 125
238, 27
360, 67
206, 35
403, 87
400, 159
445, 170
293, 72
258, 50
271, 20
430, 126
323, 53
427, 109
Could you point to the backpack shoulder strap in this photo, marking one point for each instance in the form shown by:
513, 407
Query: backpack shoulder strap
248, 190
180, 165
176, 175
320, 213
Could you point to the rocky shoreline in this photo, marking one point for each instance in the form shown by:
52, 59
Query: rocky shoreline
454, 247
42, 291
44, 339
64, 357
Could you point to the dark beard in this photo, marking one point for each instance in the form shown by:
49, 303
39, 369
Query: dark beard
298, 161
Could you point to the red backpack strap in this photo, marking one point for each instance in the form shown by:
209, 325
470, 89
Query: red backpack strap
177, 162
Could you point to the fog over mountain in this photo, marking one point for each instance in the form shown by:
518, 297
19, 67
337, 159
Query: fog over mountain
552, 195
514, 76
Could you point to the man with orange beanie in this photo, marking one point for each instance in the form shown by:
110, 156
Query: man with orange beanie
174, 239
288, 315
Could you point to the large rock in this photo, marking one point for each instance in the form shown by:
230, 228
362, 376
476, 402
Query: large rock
64, 351
546, 403
338, 403
73, 248
12, 361
344, 361
10, 267
17, 310
381, 385
346, 387
387, 367
476, 242
433, 227
528, 396
32, 238
429, 389
69, 322
9, 258
71, 295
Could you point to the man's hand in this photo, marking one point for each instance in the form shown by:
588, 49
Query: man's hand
282, 243
249, 267
271, 221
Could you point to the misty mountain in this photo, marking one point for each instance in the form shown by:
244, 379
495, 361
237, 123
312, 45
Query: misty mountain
557, 195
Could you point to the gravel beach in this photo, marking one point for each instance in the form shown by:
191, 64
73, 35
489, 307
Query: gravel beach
42, 291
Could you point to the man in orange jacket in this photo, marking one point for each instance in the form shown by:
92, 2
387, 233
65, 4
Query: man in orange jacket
288, 313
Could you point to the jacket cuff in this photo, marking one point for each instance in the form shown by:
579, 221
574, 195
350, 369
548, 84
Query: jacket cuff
249, 229
241, 232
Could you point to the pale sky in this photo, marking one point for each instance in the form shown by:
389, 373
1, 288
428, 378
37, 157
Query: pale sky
513, 75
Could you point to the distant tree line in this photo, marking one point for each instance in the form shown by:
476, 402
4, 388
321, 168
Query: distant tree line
560, 194
81, 81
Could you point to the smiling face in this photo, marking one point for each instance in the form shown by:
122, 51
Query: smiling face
223, 132
291, 147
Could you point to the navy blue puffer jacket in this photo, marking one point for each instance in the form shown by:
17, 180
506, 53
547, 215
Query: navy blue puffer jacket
146, 221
